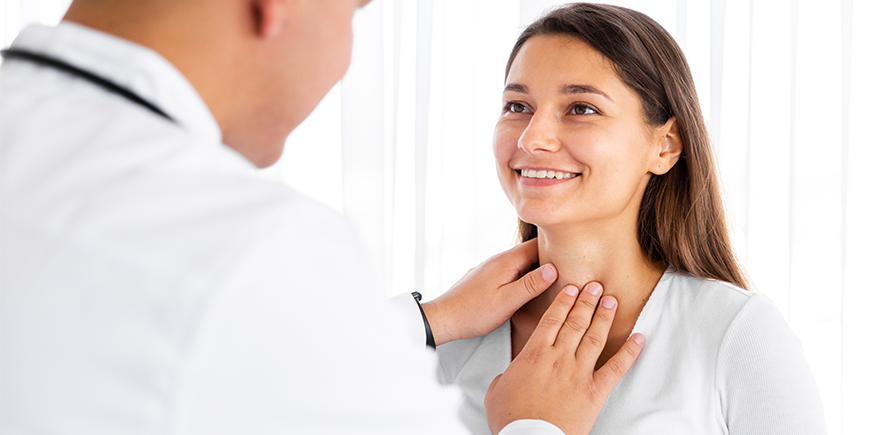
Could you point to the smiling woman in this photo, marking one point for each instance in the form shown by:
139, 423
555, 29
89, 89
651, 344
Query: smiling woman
602, 150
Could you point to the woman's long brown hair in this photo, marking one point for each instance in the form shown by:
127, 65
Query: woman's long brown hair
682, 220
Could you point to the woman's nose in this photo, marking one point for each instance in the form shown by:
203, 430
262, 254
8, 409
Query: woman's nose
540, 135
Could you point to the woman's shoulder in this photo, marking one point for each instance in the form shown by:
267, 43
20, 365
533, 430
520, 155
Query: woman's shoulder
711, 311
756, 356
712, 299
705, 287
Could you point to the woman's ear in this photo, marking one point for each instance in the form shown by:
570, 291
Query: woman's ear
669, 147
268, 17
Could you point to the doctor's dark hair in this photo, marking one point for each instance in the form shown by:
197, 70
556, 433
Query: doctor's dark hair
682, 221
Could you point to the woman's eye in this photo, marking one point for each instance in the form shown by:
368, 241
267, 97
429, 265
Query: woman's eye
515, 107
582, 109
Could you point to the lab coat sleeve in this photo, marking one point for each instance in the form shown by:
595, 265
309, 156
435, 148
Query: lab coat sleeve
408, 316
531, 427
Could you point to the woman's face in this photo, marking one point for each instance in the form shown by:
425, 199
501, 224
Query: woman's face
571, 144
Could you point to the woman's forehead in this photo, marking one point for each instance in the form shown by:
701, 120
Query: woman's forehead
560, 57
554, 63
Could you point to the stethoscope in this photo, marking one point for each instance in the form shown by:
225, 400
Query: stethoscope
15, 54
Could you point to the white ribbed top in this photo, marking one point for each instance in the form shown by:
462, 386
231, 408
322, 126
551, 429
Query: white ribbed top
717, 360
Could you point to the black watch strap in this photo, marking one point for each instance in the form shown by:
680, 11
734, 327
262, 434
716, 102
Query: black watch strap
430, 339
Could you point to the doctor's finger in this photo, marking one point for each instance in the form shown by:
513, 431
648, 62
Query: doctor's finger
554, 318
616, 367
595, 338
579, 319
532, 284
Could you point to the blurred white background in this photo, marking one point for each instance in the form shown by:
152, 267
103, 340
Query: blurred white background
402, 147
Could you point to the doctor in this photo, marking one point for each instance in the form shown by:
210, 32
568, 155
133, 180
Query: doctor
151, 285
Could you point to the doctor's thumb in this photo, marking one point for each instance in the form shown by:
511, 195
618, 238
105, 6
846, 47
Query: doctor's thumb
532, 284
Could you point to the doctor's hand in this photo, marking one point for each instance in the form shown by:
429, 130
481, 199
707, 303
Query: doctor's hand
488, 295
554, 378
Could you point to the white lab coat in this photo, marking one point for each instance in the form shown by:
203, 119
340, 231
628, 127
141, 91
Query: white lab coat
151, 285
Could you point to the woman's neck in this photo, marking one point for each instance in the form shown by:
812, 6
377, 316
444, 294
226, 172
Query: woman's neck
609, 256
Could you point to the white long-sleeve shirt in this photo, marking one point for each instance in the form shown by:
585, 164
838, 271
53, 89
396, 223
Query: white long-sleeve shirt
151, 285
717, 360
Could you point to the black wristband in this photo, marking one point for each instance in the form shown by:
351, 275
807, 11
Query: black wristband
430, 339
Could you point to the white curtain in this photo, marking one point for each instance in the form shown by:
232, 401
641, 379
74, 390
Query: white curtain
402, 147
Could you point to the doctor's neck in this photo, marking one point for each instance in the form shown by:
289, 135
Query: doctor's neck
221, 48
605, 253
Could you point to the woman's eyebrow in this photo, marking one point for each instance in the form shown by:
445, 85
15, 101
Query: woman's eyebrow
584, 89
566, 90
516, 87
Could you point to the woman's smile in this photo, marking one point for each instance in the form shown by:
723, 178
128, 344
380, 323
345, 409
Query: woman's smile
546, 173
542, 177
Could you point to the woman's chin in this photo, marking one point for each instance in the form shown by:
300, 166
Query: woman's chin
542, 222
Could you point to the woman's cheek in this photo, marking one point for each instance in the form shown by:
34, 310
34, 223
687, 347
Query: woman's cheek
504, 144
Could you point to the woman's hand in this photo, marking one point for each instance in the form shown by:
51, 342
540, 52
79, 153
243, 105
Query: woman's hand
488, 295
554, 378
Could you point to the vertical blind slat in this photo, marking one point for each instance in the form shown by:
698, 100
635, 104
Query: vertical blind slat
856, 297
816, 284
845, 92
769, 150
424, 62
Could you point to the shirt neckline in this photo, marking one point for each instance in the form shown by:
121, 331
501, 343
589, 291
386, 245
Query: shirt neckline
135, 67
653, 305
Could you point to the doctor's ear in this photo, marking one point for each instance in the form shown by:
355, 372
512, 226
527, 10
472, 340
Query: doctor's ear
268, 17
669, 147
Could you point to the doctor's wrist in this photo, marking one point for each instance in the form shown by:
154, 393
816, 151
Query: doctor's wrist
437, 323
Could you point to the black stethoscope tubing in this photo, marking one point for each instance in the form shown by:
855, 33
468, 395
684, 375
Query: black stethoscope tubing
16, 54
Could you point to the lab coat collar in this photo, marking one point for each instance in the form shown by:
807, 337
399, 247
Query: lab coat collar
137, 68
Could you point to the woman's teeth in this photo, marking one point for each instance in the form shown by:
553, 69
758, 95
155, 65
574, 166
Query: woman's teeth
531, 173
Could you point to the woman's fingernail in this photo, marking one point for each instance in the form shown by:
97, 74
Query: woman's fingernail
608, 302
638, 338
594, 289
548, 272
572, 291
